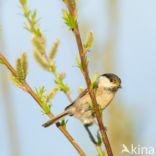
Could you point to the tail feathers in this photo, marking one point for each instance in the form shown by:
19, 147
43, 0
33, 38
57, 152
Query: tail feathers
55, 119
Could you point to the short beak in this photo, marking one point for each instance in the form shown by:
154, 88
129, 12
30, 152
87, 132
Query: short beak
120, 86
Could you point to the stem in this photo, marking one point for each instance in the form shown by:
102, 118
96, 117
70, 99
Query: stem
32, 93
70, 100
88, 82
68, 96
55, 74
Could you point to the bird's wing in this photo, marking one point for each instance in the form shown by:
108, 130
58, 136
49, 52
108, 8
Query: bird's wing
86, 90
81, 95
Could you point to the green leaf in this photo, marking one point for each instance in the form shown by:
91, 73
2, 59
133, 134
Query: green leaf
100, 110
37, 31
28, 12
79, 63
91, 106
53, 50
40, 92
1, 62
94, 80
64, 123
100, 152
69, 20
43, 112
26, 26
99, 138
15, 81
33, 16
46, 108
61, 85
87, 61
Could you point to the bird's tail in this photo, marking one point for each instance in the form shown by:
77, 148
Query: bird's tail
56, 119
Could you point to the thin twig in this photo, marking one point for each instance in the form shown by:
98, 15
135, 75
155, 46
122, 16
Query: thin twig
32, 93
55, 74
44, 55
88, 82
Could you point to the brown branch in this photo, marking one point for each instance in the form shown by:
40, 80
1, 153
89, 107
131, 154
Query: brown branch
88, 82
44, 55
32, 93
70, 100
68, 96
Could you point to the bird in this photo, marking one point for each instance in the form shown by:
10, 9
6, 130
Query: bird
105, 88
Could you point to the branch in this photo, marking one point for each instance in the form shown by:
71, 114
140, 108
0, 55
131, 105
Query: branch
88, 81
32, 93
55, 74
33, 27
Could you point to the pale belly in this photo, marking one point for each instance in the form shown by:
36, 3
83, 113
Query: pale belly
104, 98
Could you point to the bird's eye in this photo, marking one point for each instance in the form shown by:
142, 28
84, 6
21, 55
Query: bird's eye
111, 80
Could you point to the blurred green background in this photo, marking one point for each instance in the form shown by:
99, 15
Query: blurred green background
125, 37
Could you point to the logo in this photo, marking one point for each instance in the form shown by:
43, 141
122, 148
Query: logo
137, 150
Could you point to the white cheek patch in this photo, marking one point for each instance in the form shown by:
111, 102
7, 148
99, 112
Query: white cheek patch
104, 82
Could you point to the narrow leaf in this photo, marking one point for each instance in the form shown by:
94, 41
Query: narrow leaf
100, 152
91, 106
99, 138
79, 63
34, 15
46, 107
40, 92
94, 79
1, 62
69, 20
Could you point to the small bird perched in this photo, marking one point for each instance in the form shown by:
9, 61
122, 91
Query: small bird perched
106, 86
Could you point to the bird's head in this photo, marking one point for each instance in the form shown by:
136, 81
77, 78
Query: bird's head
109, 81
